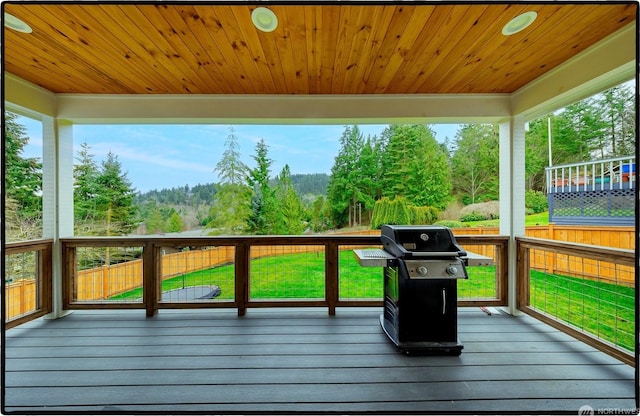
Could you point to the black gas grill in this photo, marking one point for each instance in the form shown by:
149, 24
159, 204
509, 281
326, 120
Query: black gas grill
420, 288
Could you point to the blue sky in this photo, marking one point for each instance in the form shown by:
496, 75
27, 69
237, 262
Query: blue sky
167, 156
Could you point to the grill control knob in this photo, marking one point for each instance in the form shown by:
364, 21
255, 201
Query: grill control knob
452, 270
422, 270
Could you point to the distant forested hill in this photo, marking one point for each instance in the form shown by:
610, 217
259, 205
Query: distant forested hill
314, 183
183, 195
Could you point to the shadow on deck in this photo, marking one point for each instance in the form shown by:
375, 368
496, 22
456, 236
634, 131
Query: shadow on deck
299, 360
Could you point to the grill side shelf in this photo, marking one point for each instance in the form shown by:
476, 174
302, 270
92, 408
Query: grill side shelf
474, 259
373, 257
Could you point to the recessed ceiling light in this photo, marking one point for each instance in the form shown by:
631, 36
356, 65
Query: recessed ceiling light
519, 23
264, 19
14, 23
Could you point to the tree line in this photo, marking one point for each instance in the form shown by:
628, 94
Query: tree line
22, 184
403, 175
305, 184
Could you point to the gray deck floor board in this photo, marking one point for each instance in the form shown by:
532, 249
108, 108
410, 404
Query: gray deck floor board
284, 360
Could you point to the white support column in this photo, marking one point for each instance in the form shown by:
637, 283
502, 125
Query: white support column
512, 192
57, 196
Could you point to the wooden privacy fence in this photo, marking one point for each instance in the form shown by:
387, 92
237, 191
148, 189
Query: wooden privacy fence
615, 237
551, 262
576, 266
107, 281
23, 295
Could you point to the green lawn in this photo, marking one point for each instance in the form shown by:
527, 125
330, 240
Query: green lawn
301, 276
590, 211
603, 309
541, 218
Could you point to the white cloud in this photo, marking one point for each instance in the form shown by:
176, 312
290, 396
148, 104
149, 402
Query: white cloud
129, 153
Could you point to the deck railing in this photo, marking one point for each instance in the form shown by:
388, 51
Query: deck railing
606, 174
285, 271
27, 281
586, 291
596, 193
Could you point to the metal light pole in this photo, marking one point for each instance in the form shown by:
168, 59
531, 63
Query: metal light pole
549, 139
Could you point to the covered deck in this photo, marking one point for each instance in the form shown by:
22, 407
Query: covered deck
300, 360
145, 64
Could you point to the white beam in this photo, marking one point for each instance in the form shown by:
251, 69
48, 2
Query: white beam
27, 99
278, 109
600, 67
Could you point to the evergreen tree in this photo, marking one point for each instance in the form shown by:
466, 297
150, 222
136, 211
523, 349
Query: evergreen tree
321, 215
230, 168
370, 169
616, 108
537, 151
229, 211
23, 177
575, 133
263, 208
114, 199
292, 213
415, 166
341, 191
85, 190
354, 183
310, 183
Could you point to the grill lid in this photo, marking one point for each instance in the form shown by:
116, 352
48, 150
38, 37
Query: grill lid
420, 241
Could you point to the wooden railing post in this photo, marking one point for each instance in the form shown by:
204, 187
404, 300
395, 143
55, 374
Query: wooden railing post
331, 276
522, 276
150, 271
45, 290
242, 277
502, 268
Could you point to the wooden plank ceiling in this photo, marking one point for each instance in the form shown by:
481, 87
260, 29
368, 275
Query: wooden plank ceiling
347, 48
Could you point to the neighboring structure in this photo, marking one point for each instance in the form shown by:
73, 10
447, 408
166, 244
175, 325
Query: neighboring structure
593, 193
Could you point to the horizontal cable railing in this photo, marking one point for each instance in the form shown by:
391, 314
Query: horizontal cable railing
27, 281
243, 272
584, 290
